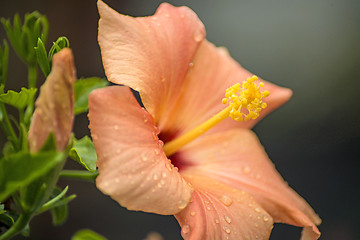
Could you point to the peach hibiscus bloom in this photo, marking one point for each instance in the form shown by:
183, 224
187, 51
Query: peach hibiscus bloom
54, 111
221, 185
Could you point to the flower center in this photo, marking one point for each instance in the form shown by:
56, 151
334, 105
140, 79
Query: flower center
245, 96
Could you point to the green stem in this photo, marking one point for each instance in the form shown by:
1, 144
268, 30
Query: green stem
79, 174
15, 229
32, 76
6, 125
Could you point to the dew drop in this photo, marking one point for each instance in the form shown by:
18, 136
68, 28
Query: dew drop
246, 169
143, 157
157, 151
257, 210
161, 143
164, 174
208, 208
227, 219
162, 182
217, 221
167, 15
256, 225
198, 36
191, 64
94, 137
266, 218
185, 229
182, 16
116, 127
155, 176
227, 201
227, 229
182, 204
192, 213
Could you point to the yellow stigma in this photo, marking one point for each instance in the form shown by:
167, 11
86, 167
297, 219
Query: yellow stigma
246, 96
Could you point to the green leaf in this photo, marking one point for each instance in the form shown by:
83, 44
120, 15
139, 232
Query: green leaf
24, 37
83, 151
59, 210
4, 60
61, 42
42, 58
20, 169
83, 87
6, 219
18, 99
87, 234
2, 208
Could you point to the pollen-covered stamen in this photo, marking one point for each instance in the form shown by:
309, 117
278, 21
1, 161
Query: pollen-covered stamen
246, 96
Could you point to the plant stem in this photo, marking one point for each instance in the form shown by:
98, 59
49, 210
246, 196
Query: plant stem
6, 125
32, 76
79, 174
18, 226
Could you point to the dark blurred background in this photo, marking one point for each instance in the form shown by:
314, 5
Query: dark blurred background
312, 47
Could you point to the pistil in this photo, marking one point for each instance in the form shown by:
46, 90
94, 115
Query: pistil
246, 96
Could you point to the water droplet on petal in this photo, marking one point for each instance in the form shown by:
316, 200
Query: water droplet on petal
167, 15
143, 157
191, 64
182, 16
227, 201
266, 218
185, 229
116, 127
192, 213
155, 176
157, 151
217, 221
164, 174
198, 36
227, 229
182, 204
246, 169
257, 209
227, 219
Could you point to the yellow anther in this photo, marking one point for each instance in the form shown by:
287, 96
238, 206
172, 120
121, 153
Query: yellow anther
246, 96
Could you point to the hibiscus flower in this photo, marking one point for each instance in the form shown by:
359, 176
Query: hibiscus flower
55, 104
222, 184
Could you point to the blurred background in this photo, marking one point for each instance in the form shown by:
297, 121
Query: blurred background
312, 47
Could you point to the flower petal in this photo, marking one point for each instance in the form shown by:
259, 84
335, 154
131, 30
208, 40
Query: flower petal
150, 54
219, 212
133, 168
55, 104
204, 87
237, 159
